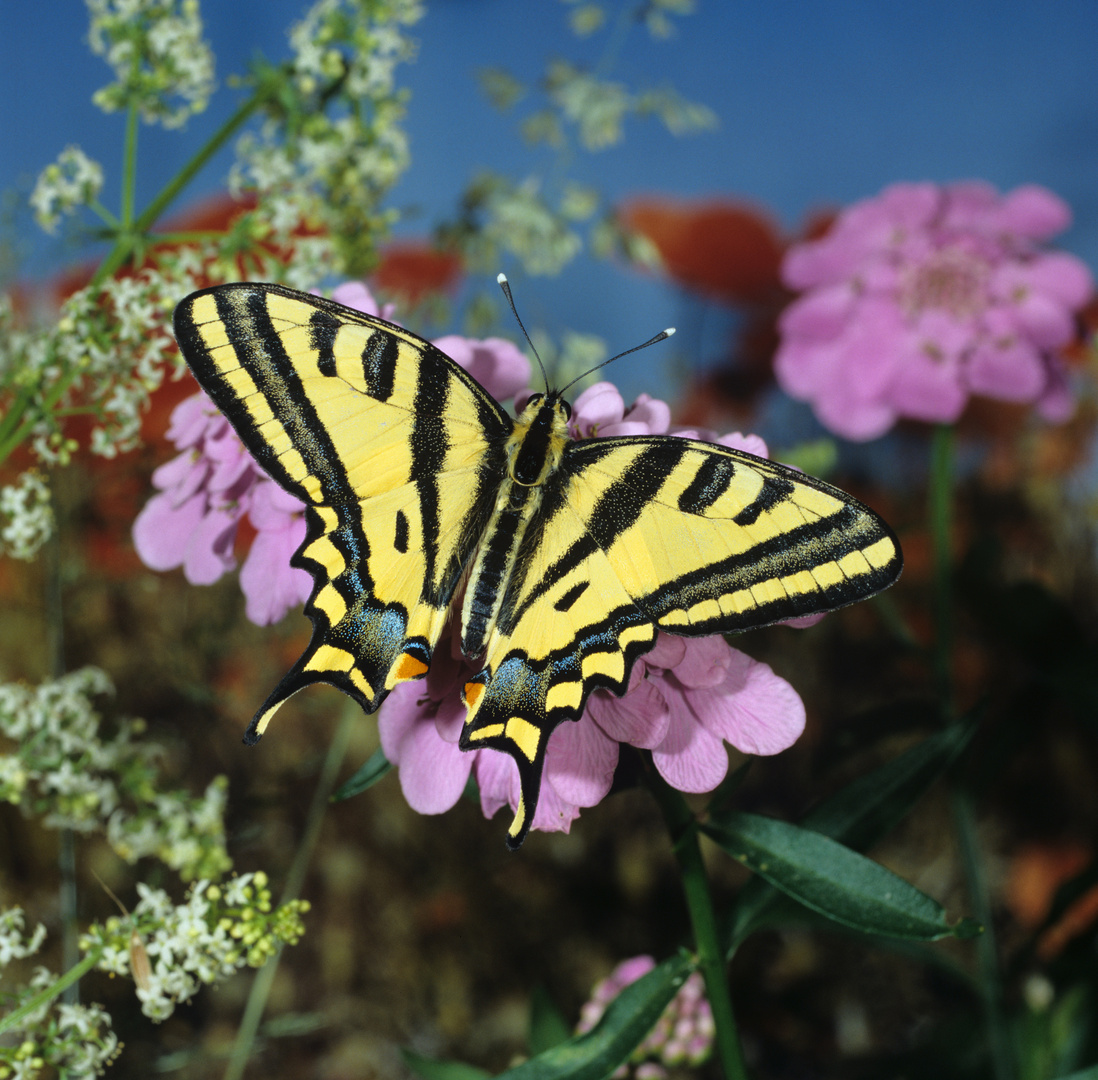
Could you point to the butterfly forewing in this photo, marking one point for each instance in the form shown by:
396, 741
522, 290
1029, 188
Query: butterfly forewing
395, 450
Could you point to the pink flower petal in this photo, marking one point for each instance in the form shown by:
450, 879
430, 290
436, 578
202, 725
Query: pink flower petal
405, 706
668, 652
755, 710
162, 530
1062, 277
859, 422
433, 772
1056, 404
192, 419
927, 388
354, 294
706, 662
639, 718
182, 476
690, 758
271, 586
653, 413
497, 364
1033, 211
210, 547
1013, 371
820, 315
597, 406
580, 762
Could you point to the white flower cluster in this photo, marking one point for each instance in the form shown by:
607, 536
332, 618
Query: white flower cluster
656, 12
14, 945
74, 1040
216, 931
321, 164
73, 180
29, 515
109, 349
516, 219
586, 18
161, 62
63, 769
61, 1040
598, 107
535, 225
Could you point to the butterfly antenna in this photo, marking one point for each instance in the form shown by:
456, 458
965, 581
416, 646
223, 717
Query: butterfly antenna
663, 335
505, 285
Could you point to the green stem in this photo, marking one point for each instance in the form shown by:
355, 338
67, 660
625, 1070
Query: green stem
683, 827
16, 425
295, 879
14, 1020
987, 957
118, 255
941, 525
129, 168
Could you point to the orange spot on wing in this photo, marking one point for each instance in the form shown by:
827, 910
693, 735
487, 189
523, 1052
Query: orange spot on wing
410, 667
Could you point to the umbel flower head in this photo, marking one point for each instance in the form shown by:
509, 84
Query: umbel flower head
923, 295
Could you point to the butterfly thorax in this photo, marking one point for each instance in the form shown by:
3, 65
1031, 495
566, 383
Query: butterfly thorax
533, 453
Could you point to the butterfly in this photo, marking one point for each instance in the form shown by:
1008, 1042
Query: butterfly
574, 553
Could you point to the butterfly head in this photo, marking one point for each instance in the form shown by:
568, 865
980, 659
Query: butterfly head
537, 443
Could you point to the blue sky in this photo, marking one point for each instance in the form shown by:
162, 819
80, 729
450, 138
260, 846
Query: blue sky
819, 104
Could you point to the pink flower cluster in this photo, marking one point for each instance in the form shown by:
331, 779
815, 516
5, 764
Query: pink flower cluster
686, 698
924, 295
683, 1035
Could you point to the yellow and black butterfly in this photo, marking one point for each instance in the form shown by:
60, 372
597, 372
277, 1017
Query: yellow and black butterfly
575, 552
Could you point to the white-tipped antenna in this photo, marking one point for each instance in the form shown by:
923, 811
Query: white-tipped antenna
501, 280
663, 335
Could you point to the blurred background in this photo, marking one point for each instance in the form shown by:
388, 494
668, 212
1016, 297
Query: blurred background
818, 105
426, 932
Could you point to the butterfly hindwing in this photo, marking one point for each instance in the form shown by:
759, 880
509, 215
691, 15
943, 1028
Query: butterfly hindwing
396, 452
635, 535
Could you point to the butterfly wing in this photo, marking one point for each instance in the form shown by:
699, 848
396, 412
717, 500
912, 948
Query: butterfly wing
635, 535
394, 449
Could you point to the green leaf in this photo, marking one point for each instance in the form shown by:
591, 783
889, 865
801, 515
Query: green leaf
623, 1027
858, 816
429, 1069
831, 879
1083, 1074
370, 773
548, 1028
871, 806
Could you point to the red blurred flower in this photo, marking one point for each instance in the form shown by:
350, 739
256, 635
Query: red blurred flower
726, 250
411, 270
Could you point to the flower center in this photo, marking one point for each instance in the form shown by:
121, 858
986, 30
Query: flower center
950, 279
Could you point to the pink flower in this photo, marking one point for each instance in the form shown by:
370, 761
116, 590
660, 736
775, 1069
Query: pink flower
924, 295
683, 1035
686, 699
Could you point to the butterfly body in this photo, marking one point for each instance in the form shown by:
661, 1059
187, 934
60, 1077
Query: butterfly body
574, 552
